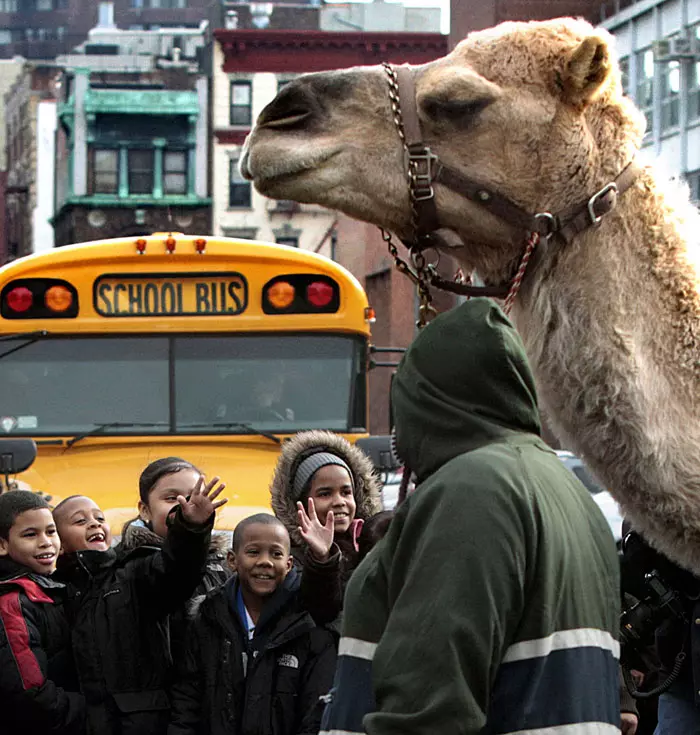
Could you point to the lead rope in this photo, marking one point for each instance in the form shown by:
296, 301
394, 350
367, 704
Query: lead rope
532, 243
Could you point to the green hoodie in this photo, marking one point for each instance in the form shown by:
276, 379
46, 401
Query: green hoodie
492, 603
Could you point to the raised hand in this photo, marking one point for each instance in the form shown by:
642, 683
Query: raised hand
318, 537
198, 507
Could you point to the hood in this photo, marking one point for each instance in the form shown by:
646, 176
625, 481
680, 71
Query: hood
136, 534
367, 487
464, 382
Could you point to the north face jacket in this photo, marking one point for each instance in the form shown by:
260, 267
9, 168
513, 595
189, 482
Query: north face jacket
492, 604
38, 687
118, 606
270, 685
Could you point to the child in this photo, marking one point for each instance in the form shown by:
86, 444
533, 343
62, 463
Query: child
35, 655
120, 604
160, 486
336, 481
256, 664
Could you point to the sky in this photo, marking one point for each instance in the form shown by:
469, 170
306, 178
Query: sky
443, 4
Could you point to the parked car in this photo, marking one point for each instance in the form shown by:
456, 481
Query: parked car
605, 501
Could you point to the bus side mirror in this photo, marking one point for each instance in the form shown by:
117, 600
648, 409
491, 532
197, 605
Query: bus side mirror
380, 452
16, 455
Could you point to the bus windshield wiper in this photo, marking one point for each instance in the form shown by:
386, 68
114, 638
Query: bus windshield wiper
31, 338
101, 428
247, 429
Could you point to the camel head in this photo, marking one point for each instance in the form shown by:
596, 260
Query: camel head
534, 111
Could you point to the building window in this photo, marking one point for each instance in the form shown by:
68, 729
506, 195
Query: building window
140, 171
694, 90
137, 4
293, 242
168, 3
8, 6
5, 37
238, 188
670, 94
644, 93
625, 75
241, 103
175, 172
44, 4
105, 171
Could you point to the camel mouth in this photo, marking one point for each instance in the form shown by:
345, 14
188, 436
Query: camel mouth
269, 169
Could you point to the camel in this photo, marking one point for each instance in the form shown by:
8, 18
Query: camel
611, 319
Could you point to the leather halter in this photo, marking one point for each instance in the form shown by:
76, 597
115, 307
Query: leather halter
425, 170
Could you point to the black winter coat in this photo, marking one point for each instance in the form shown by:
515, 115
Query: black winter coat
38, 688
290, 664
118, 607
216, 572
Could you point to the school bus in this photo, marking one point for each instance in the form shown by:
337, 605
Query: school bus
118, 352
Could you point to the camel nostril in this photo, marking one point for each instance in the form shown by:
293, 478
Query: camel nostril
291, 106
291, 118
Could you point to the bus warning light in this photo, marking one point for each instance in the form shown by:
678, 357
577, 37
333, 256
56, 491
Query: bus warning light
141, 246
200, 245
58, 298
281, 294
370, 315
20, 299
170, 245
319, 293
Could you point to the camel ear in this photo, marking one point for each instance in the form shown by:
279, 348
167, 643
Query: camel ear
587, 69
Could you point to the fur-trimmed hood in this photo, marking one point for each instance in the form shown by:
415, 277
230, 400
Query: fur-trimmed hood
136, 534
367, 487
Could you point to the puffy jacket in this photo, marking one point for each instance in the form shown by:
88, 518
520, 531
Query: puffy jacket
323, 585
269, 685
135, 535
38, 688
492, 604
118, 606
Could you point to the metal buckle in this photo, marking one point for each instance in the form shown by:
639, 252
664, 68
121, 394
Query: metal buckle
595, 218
552, 224
420, 166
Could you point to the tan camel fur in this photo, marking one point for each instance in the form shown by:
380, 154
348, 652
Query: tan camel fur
611, 322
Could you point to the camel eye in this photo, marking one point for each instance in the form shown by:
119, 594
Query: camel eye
457, 112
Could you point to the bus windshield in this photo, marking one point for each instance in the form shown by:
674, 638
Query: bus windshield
157, 384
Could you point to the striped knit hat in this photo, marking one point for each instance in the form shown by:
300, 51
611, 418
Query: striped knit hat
311, 465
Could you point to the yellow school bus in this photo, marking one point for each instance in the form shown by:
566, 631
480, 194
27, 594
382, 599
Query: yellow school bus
118, 352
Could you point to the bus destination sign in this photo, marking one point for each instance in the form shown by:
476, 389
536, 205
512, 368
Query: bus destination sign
170, 294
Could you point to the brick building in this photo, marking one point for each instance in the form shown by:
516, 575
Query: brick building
132, 146
30, 120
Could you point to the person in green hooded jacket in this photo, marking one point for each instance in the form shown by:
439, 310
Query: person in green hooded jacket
492, 604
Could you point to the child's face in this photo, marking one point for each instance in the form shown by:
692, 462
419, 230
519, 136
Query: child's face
331, 489
262, 559
33, 541
82, 525
163, 496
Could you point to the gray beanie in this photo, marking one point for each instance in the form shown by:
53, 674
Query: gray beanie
312, 464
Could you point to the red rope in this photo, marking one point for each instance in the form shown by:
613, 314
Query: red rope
515, 285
